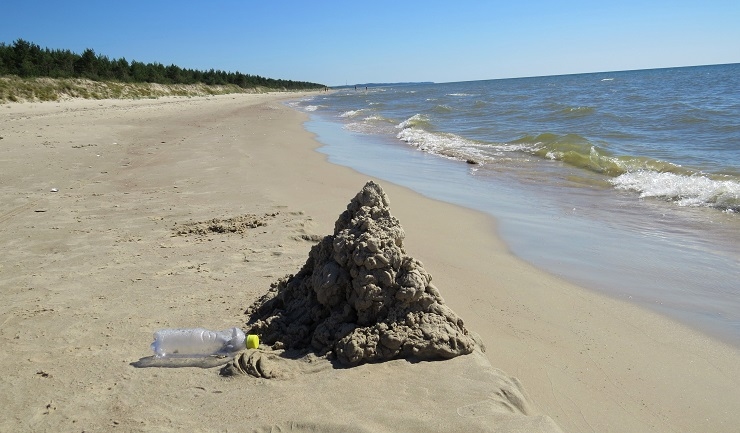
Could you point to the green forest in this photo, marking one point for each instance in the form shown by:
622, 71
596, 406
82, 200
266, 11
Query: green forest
28, 60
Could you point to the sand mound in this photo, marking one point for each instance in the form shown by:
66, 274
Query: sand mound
239, 224
359, 298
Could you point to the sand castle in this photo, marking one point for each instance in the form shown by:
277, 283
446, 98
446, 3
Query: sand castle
359, 298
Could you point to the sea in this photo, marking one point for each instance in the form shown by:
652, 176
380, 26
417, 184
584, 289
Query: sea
626, 183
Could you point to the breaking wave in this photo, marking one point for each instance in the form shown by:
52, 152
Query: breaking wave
577, 151
693, 190
649, 177
351, 113
414, 132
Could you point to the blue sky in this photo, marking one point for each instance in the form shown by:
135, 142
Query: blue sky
333, 42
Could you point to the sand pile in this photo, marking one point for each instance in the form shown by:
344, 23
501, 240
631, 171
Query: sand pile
239, 224
359, 298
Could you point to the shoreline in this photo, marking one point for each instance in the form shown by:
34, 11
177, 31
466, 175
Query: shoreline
649, 254
93, 269
634, 327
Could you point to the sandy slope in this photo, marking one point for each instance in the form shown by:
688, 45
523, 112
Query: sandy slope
89, 272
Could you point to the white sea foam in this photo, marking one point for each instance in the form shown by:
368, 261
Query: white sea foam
515, 147
442, 144
311, 107
351, 113
362, 127
413, 120
415, 131
375, 118
696, 190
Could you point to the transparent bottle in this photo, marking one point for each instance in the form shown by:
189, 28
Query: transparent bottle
197, 342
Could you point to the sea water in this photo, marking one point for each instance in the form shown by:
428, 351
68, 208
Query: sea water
625, 182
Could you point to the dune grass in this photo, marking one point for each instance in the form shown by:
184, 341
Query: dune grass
16, 89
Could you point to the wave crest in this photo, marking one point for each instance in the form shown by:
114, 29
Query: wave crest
351, 113
575, 112
693, 190
415, 121
578, 151
442, 144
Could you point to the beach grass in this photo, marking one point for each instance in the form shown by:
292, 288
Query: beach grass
16, 89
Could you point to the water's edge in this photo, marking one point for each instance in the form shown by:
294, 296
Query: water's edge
542, 233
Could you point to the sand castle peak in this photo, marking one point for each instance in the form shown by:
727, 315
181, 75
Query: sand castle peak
360, 297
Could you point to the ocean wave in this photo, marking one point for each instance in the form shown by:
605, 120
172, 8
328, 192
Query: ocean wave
417, 120
577, 151
376, 118
576, 111
442, 144
298, 104
351, 113
460, 94
649, 177
373, 124
442, 108
417, 132
693, 190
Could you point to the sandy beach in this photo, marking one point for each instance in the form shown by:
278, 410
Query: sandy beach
93, 195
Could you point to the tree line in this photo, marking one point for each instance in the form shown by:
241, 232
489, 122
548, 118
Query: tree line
28, 60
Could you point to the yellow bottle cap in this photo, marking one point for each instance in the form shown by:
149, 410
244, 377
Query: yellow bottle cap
253, 341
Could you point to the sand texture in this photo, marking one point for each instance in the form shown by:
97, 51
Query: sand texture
120, 218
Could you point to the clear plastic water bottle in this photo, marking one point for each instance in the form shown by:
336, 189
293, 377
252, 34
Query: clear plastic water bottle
197, 342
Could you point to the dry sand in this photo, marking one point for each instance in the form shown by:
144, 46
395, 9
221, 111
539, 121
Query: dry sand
89, 272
